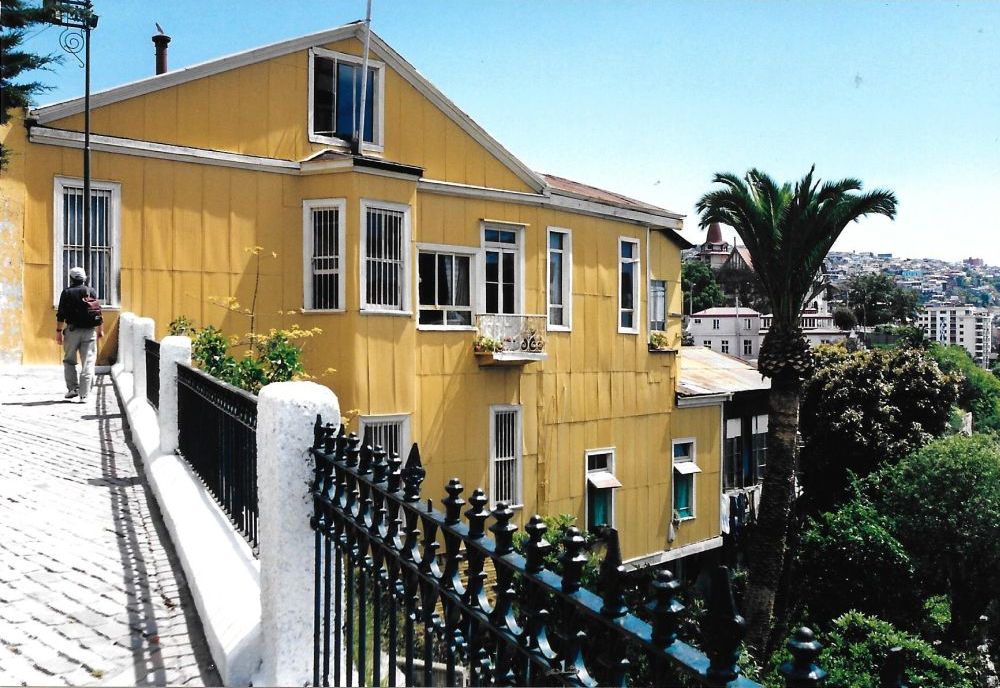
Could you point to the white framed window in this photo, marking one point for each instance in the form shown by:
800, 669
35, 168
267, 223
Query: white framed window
658, 305
391, 432
502, 288
445, 279
697, 321
733, 469
104, 264
559, 277
724, 346
323, 228
600, 488
707, 343
628, 285
335, 98
758, 445
748, 347
505, 455
715, 323
685, 467
385, 257
746, 323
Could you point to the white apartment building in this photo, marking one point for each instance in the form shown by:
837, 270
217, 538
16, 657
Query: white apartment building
817, 327
728, 330
966, 326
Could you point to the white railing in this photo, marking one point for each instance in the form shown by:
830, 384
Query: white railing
510, 333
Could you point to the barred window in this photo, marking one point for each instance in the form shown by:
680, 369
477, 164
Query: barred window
392, 433
385, 270
505, 459
102, 262
324, 254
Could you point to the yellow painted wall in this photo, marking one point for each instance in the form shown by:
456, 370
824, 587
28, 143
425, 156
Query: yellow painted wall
11, 232
262, 109
704, 424
185, 228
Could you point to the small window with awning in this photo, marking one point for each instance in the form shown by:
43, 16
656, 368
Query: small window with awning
685, 468
601, 484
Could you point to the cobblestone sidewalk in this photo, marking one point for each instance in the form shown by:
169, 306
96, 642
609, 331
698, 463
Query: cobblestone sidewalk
91, 591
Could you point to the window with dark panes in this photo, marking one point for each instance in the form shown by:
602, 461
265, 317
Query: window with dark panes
559, 279
385, 264
628, 271
100, 264
445, 288
501, 253
337, 98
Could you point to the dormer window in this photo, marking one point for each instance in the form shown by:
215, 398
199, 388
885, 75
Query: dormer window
335, 98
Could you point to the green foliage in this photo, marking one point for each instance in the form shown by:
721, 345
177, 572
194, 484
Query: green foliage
210, 351
273, 358
744, 284
844, 319
700, 288
861, 410
944, 502
876, 299
180, 326
659, 340
854, 648
281, 360
16, 19
558, 527
847, 558
979, 389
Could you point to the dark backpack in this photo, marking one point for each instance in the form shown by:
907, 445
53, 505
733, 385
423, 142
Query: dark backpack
90, 312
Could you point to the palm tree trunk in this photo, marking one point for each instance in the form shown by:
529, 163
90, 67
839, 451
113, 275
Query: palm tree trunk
767, 546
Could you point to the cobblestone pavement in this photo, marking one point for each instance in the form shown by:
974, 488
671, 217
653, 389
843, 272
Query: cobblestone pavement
91, 591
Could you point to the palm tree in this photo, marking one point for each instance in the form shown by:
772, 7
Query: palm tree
788, 231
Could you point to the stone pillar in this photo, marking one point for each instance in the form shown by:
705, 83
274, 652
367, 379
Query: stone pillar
142, 328
173, 350
286, 412
125, 322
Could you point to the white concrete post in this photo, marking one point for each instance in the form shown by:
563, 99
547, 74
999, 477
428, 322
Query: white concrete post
141, 329
125, 322
173, 350
286, 414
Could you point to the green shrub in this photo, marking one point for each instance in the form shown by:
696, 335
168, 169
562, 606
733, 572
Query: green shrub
180, 326
857, 644
210, 351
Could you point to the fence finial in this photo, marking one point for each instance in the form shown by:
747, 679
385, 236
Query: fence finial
330, 432
353, 449
453, 503
503, 530
318, 432
665, 608
380, 466
477, 514
893, 672
413, 475
573, 560
537, 546
802, 671
395, 483
366, 456
724, 629
612, 577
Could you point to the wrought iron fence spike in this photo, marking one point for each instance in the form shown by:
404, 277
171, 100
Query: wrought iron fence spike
802, 671
453, 503
664, 608
612, 577
477, 514
724, 628
573, 559
538, 547
503, 530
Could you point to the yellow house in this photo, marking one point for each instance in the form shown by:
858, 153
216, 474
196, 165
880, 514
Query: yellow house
499, 317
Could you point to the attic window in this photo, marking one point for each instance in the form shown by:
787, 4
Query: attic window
335, 98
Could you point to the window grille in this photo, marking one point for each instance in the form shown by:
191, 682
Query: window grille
326, 260
99, 267
384, 259
506, 457
386, 434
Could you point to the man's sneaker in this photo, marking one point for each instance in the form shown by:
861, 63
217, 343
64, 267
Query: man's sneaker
70, 394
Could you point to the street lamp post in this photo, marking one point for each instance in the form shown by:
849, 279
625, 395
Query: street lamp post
78, 17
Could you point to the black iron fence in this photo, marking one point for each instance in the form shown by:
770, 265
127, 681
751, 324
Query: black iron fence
153, 372
397, 612
218, 438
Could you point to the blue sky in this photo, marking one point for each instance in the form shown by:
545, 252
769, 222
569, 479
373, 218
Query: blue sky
651, 98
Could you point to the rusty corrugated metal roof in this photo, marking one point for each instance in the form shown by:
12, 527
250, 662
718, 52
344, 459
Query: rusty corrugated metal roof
703, 371
602, 195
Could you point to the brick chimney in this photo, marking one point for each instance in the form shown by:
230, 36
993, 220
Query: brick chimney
161, 40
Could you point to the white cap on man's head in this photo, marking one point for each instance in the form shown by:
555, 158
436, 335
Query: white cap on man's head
78, 274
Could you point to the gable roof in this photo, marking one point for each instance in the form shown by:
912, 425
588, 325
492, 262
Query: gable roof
379, 47
571, 188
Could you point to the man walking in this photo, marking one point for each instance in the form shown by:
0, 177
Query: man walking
81, 313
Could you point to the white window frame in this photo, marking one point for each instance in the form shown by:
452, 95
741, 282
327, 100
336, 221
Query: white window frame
707, 343
406, 279
567, 279
586, 483
649, 309
518, 459
636, 287
716, 324
403, 419
748, 344
308, 206
378, 117
724, 346
673, 475
114, 232
473, 254
519, 233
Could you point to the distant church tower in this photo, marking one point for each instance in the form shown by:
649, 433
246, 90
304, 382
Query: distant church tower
715, 251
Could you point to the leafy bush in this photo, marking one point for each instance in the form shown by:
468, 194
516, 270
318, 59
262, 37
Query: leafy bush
847, 559
856, 646
180, 326
210, 352
979, 389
